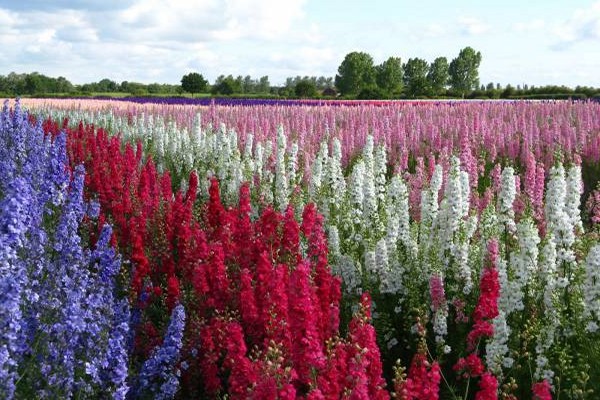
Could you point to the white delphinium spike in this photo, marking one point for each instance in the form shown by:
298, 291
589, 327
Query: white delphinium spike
317, 171
451, 212
380, 171
247, 159
197, 131
336, 179
439, 306
573, 196
356, 192
333, 238
258, 160
350, 273
496, 349
559, 223
506, 198
292, 166
281, 181
383, 267
547, 274
429, 199
523, 264
591, 290
371, 266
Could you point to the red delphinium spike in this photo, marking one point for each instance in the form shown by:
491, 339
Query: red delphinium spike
306, 351
366, 362
140, 264
291, 238
542, 390
328, 286
332, 379
470, 366
488, 387
276, 308
487, 305
242, 372
211, 344
422, 382
248, 307
214, 209
173, 292
267, 231
243, 232
218, 296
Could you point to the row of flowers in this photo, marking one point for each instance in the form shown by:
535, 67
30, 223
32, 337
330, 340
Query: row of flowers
416, 240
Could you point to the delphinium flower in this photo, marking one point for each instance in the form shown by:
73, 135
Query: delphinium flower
357, 196
506, 198
592, 206
547, 276
496, 349
591, 291
65, 297
15, 219
281, 180
522, 266
574, 183
430, 206
370, 196
380, 171
337, 182
159, 376
318, 172
542, 391
439, 307
558, 222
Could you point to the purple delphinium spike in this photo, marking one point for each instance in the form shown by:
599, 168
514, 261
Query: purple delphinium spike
159, 376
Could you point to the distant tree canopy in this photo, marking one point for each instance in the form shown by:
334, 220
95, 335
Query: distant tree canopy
356, 73
464, 71
415, 77
437, 77
194, 83
305, 88
389, 75
33, 83
357, 77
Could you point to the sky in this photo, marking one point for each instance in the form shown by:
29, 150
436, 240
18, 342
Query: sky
533, 42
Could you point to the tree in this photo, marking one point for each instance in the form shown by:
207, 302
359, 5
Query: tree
355, 73
193, 83
389, 75
415, 77
437, 77
33, 83
305, 88
263, 85
227, 85
464, 71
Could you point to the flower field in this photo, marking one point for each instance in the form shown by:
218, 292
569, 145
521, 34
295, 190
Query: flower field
416, 250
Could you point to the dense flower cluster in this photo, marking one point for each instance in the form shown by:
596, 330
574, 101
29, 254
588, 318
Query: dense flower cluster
263, 313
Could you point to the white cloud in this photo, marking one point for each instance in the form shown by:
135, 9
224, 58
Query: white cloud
583, 25
472, 26
529, 26
150, 40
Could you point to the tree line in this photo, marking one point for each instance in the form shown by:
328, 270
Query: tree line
357, 78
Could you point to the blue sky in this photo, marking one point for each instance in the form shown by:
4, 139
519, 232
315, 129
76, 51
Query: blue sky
534, 42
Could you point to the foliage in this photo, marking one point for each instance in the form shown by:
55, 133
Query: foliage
193, 83
355, 73
438, 75
305, 88
415, 77
389, 77
463, 70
